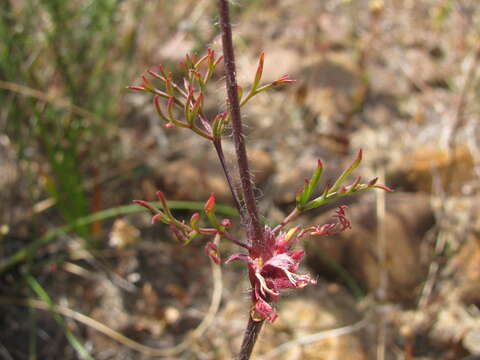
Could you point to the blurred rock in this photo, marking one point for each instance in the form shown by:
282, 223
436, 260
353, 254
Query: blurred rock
471, 341
273, 69
424, 166
454, 319
421, 67
176, 48
304, 316
296, 165
123, 234
384, 77
466, 263
110, 311
332, 86
198, 174
448, 323
409, 217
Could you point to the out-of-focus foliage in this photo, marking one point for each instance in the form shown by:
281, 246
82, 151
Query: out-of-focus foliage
62, 67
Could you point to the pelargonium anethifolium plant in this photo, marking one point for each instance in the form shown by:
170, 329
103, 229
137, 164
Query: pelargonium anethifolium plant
268, 252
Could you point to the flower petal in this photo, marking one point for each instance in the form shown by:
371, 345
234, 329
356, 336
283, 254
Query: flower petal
264, 289
240, 256
263, 310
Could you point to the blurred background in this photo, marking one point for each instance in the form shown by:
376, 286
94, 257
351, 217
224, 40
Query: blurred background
83, 274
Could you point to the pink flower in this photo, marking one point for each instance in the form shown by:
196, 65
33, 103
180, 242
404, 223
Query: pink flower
273, 265
331, 228
274, 269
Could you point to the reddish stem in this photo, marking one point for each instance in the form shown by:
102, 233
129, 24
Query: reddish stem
250, 337
254, 227
293, 215
218, 147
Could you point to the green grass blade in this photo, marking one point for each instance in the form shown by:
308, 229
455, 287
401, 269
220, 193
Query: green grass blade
36, 244
72, 339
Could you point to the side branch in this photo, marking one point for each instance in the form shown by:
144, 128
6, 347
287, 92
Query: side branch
221, 157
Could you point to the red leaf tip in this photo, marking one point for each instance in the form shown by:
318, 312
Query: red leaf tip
210, 203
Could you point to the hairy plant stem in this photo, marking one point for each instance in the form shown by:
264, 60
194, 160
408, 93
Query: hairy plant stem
249, 339
253, 224
250, 219
292, 216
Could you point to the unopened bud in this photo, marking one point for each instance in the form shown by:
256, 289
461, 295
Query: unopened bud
372, 182
283, 80
210, 204
136, 88
212, 252
147, 84
146, 205
194, 220
383, 187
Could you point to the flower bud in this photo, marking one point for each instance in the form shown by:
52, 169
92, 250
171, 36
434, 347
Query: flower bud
226, 223
146, 205
372, 182
156, 75
136, 88
196, 107
147, 84
194, 220
355, 184
180, 236
163, 201
210, 204
383, 187
168, 84
162, 71
219, 125
212, 252
283, 80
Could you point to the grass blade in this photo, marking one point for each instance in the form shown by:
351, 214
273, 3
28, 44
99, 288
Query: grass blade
36, 244
72, 339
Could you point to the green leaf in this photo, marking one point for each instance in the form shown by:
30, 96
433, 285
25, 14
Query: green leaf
72, 339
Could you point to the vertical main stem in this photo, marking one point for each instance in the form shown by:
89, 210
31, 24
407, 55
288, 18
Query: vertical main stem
250, 338
254, 227
252, 222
